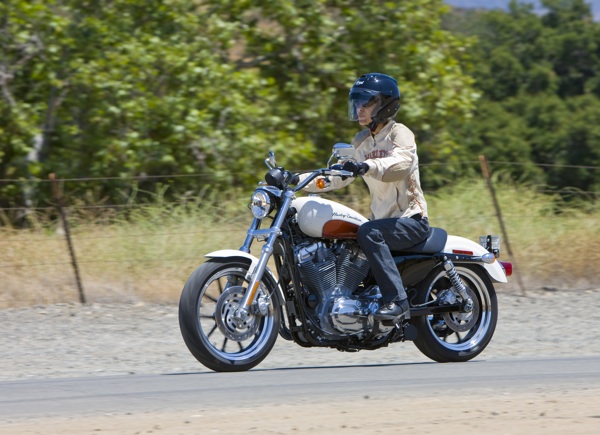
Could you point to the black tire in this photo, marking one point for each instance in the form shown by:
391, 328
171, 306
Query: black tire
208, 298
457, 337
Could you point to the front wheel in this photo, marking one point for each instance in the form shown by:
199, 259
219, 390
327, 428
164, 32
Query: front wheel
209, 299
457, 336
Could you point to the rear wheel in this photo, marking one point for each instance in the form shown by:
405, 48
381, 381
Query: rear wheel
206, 316
457, 336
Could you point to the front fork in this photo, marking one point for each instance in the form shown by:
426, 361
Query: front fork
270, 235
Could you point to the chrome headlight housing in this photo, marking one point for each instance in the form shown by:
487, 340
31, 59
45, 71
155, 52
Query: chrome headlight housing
262, 203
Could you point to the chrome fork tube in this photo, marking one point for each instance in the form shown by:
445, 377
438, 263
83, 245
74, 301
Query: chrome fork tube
267, 251
250, 235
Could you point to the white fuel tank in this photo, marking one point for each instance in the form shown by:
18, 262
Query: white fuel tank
318, 217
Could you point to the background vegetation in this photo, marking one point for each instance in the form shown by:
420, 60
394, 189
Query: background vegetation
149, 255
540, 88
124, 88
127, 88
158, 112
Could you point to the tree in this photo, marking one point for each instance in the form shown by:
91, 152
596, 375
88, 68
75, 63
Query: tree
538, 77
126, 88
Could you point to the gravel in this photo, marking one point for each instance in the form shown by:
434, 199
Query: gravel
69, 340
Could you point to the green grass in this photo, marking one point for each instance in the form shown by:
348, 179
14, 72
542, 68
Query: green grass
149, 255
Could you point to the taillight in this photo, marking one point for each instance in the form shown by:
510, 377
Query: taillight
507, 267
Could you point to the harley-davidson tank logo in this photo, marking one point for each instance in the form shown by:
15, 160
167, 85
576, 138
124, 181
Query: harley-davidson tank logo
347, 216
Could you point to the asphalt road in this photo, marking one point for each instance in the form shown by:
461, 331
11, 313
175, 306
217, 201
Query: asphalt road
102, 395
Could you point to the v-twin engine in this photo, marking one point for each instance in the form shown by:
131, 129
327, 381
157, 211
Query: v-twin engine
332, 275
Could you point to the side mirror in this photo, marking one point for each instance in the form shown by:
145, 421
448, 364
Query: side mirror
341, 151
270, 161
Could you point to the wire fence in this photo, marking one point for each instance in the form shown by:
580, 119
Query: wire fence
107, 261
494, 163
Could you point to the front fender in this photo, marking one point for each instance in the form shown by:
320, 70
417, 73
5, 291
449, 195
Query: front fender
494, 270
225, 253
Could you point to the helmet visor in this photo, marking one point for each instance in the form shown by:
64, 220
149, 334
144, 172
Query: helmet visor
363, 104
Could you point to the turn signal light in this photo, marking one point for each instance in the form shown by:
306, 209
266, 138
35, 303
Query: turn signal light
320, 183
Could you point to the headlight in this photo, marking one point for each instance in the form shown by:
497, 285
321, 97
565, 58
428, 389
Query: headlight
261, 204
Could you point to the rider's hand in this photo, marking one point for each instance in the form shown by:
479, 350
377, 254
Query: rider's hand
356, 168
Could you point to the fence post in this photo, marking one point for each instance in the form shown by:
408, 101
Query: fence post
485, 170
61, 212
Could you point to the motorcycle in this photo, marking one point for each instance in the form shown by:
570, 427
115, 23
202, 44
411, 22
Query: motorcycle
321, 292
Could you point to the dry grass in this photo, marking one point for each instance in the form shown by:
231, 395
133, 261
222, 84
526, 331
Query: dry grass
149, 256
553, 243
146, 258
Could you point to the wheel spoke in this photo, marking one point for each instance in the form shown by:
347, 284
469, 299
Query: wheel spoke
224, 344
211, 331
447, 337
209, 297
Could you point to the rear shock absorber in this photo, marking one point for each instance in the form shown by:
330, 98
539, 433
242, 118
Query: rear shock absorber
457, 284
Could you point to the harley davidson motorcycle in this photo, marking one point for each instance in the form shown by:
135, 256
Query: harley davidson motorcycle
321, 292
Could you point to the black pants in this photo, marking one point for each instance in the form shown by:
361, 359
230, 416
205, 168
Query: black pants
378, 237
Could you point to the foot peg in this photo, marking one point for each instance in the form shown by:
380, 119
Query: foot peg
405, 332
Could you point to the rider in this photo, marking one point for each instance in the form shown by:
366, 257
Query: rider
386, 157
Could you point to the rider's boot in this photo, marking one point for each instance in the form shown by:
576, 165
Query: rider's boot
396, 310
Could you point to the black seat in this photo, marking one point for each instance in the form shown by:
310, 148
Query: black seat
434, 243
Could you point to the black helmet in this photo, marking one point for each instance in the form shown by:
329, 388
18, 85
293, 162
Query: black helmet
375, 88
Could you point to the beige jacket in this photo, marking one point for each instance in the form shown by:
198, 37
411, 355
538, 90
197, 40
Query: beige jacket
393, 175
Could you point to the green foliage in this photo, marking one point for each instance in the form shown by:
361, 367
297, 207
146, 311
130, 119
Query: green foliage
131, 88
126, 88
539, 81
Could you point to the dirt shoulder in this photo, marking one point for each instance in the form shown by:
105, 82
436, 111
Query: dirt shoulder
556, 412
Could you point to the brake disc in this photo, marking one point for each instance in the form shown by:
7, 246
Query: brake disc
461, 322
234, 329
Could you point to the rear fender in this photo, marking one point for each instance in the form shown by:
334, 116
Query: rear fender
227, 253
494, 270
